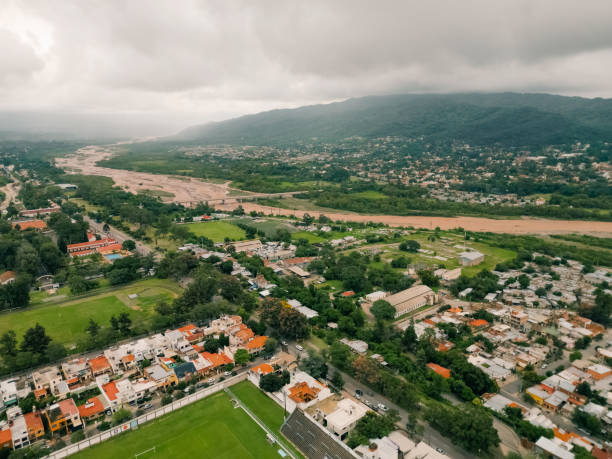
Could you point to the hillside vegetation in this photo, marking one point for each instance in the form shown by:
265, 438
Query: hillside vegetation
506, 119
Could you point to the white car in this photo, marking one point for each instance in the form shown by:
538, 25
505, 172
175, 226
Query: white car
211, 381
227, 373
299, 348
382, 407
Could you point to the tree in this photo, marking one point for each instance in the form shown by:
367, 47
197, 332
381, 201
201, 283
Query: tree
409, 338
241, 356
55, 351
292, 324
129, 245
271, 345
524, 281
124, 323
382, 310
93, 328
337, 381
273, 382
121, 415
77, 436
576, 355
8, 344
602, 311
35, 340
429, 278
586, 421
469, 426
410, 246
315, 366
227, 266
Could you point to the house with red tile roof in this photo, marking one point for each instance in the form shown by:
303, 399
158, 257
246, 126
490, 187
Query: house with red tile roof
128, 361
444, 372
6, 439
256, 344
218, 360
35, 426
241, 337
303, 393
99, 366
93, 409
478, 323
87, 248
191, 333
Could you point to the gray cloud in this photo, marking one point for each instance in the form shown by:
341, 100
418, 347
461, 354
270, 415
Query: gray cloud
193, 61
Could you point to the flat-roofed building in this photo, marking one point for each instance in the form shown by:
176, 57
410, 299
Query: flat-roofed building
411, 299
345, 417
471, 258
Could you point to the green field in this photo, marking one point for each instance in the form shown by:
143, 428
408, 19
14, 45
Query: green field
65, 320
217, 231
269, 225
263, 407
211, 427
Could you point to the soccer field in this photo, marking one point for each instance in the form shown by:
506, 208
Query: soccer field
210, 428
217, 231
66, 321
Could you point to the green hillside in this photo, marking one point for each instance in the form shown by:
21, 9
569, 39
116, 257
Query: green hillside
506, 118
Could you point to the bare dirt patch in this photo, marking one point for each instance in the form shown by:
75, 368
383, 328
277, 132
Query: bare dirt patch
517, 226
173, 188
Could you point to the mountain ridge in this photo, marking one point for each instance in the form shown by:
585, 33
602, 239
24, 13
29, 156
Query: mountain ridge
510, 119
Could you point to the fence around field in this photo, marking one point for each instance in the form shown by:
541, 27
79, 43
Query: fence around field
134, 423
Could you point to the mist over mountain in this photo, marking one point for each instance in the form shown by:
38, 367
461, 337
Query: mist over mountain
95, 127
509, 119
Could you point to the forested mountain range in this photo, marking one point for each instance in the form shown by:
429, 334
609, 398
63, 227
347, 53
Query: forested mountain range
507, 119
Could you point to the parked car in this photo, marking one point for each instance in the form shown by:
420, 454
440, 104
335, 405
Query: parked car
299, 348
211, 381
227, 373
147, 406
440, 450
284, 343
383, 407
358, 392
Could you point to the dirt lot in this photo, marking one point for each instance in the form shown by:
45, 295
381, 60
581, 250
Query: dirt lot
174, 188
518, 226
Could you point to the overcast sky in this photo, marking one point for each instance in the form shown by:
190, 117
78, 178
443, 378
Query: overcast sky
189, 62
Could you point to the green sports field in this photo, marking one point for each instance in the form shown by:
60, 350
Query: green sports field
217, 231
210, 428
65, 321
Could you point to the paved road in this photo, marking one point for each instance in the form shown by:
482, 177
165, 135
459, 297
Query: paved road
430, 435
120, 236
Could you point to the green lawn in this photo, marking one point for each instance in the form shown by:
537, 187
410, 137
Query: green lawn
312, 238
65, 320
217, 231
370, 195
268, 411
211, 427
269, 225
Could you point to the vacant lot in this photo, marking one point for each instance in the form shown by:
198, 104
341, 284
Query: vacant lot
211, 427
65, 321
217, 231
